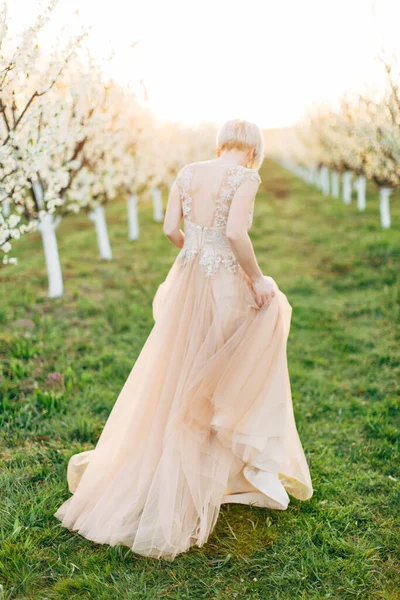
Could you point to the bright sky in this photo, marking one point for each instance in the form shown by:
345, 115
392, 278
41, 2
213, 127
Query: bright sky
264, 60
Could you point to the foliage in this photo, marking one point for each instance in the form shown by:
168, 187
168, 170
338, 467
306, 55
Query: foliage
70, 140
362, 135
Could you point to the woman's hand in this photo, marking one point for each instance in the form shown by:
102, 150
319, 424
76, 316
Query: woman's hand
264, 290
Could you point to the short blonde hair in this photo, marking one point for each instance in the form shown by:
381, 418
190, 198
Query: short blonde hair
242, 135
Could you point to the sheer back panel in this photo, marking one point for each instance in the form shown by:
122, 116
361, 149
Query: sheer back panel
207, 189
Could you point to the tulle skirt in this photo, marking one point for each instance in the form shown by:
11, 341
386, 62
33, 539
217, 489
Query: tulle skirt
204, 417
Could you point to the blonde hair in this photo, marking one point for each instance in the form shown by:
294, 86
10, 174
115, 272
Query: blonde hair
242, 135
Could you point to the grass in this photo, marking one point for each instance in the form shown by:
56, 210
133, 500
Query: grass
66, 360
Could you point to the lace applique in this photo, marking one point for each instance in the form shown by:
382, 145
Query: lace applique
236, 175
187, 255
184, 180
210, 259
211, 242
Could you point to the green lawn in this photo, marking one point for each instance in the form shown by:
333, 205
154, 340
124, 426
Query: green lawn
341, 274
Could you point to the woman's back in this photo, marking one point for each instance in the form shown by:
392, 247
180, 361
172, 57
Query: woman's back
207, 189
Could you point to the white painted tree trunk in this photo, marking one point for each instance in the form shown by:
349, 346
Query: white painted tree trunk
335, 184
314, 176
158, 209
346, 191
47, 227
325, 180
319, 178
5, 208
38, 193
99, 219
361, 187
133, 218
384, 193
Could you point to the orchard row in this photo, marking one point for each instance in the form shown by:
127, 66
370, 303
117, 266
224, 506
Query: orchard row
341, 148
71, 141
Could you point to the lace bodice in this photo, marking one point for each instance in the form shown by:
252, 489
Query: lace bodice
211, 241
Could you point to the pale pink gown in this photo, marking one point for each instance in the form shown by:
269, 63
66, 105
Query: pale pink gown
205, 416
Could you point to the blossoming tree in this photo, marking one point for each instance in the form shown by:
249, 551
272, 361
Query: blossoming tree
25, 84
361, 137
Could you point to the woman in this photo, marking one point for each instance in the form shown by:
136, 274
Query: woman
205, 416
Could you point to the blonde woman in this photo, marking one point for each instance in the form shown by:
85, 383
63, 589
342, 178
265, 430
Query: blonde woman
205, 416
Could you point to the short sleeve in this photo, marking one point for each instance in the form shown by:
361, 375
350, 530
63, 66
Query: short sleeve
251, 175
179, 175
183, 178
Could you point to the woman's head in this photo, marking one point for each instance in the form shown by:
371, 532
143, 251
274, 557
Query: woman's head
243, 136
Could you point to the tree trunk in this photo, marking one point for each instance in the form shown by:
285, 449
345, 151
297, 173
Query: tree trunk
335, 184
99, 218
313, 176
47, 227
384, 193
158, 209
318, 178
361, 186
346, 191
325, 180
133, 219
5, 208
38, 193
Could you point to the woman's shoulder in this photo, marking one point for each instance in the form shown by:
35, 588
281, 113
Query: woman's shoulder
184, 176
249, 173
238, 170
197, 166
186, 167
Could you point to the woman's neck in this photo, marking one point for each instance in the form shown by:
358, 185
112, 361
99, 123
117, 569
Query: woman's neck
233, 157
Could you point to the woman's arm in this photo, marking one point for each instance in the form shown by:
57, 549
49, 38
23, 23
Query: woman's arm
173, 218
236, 231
